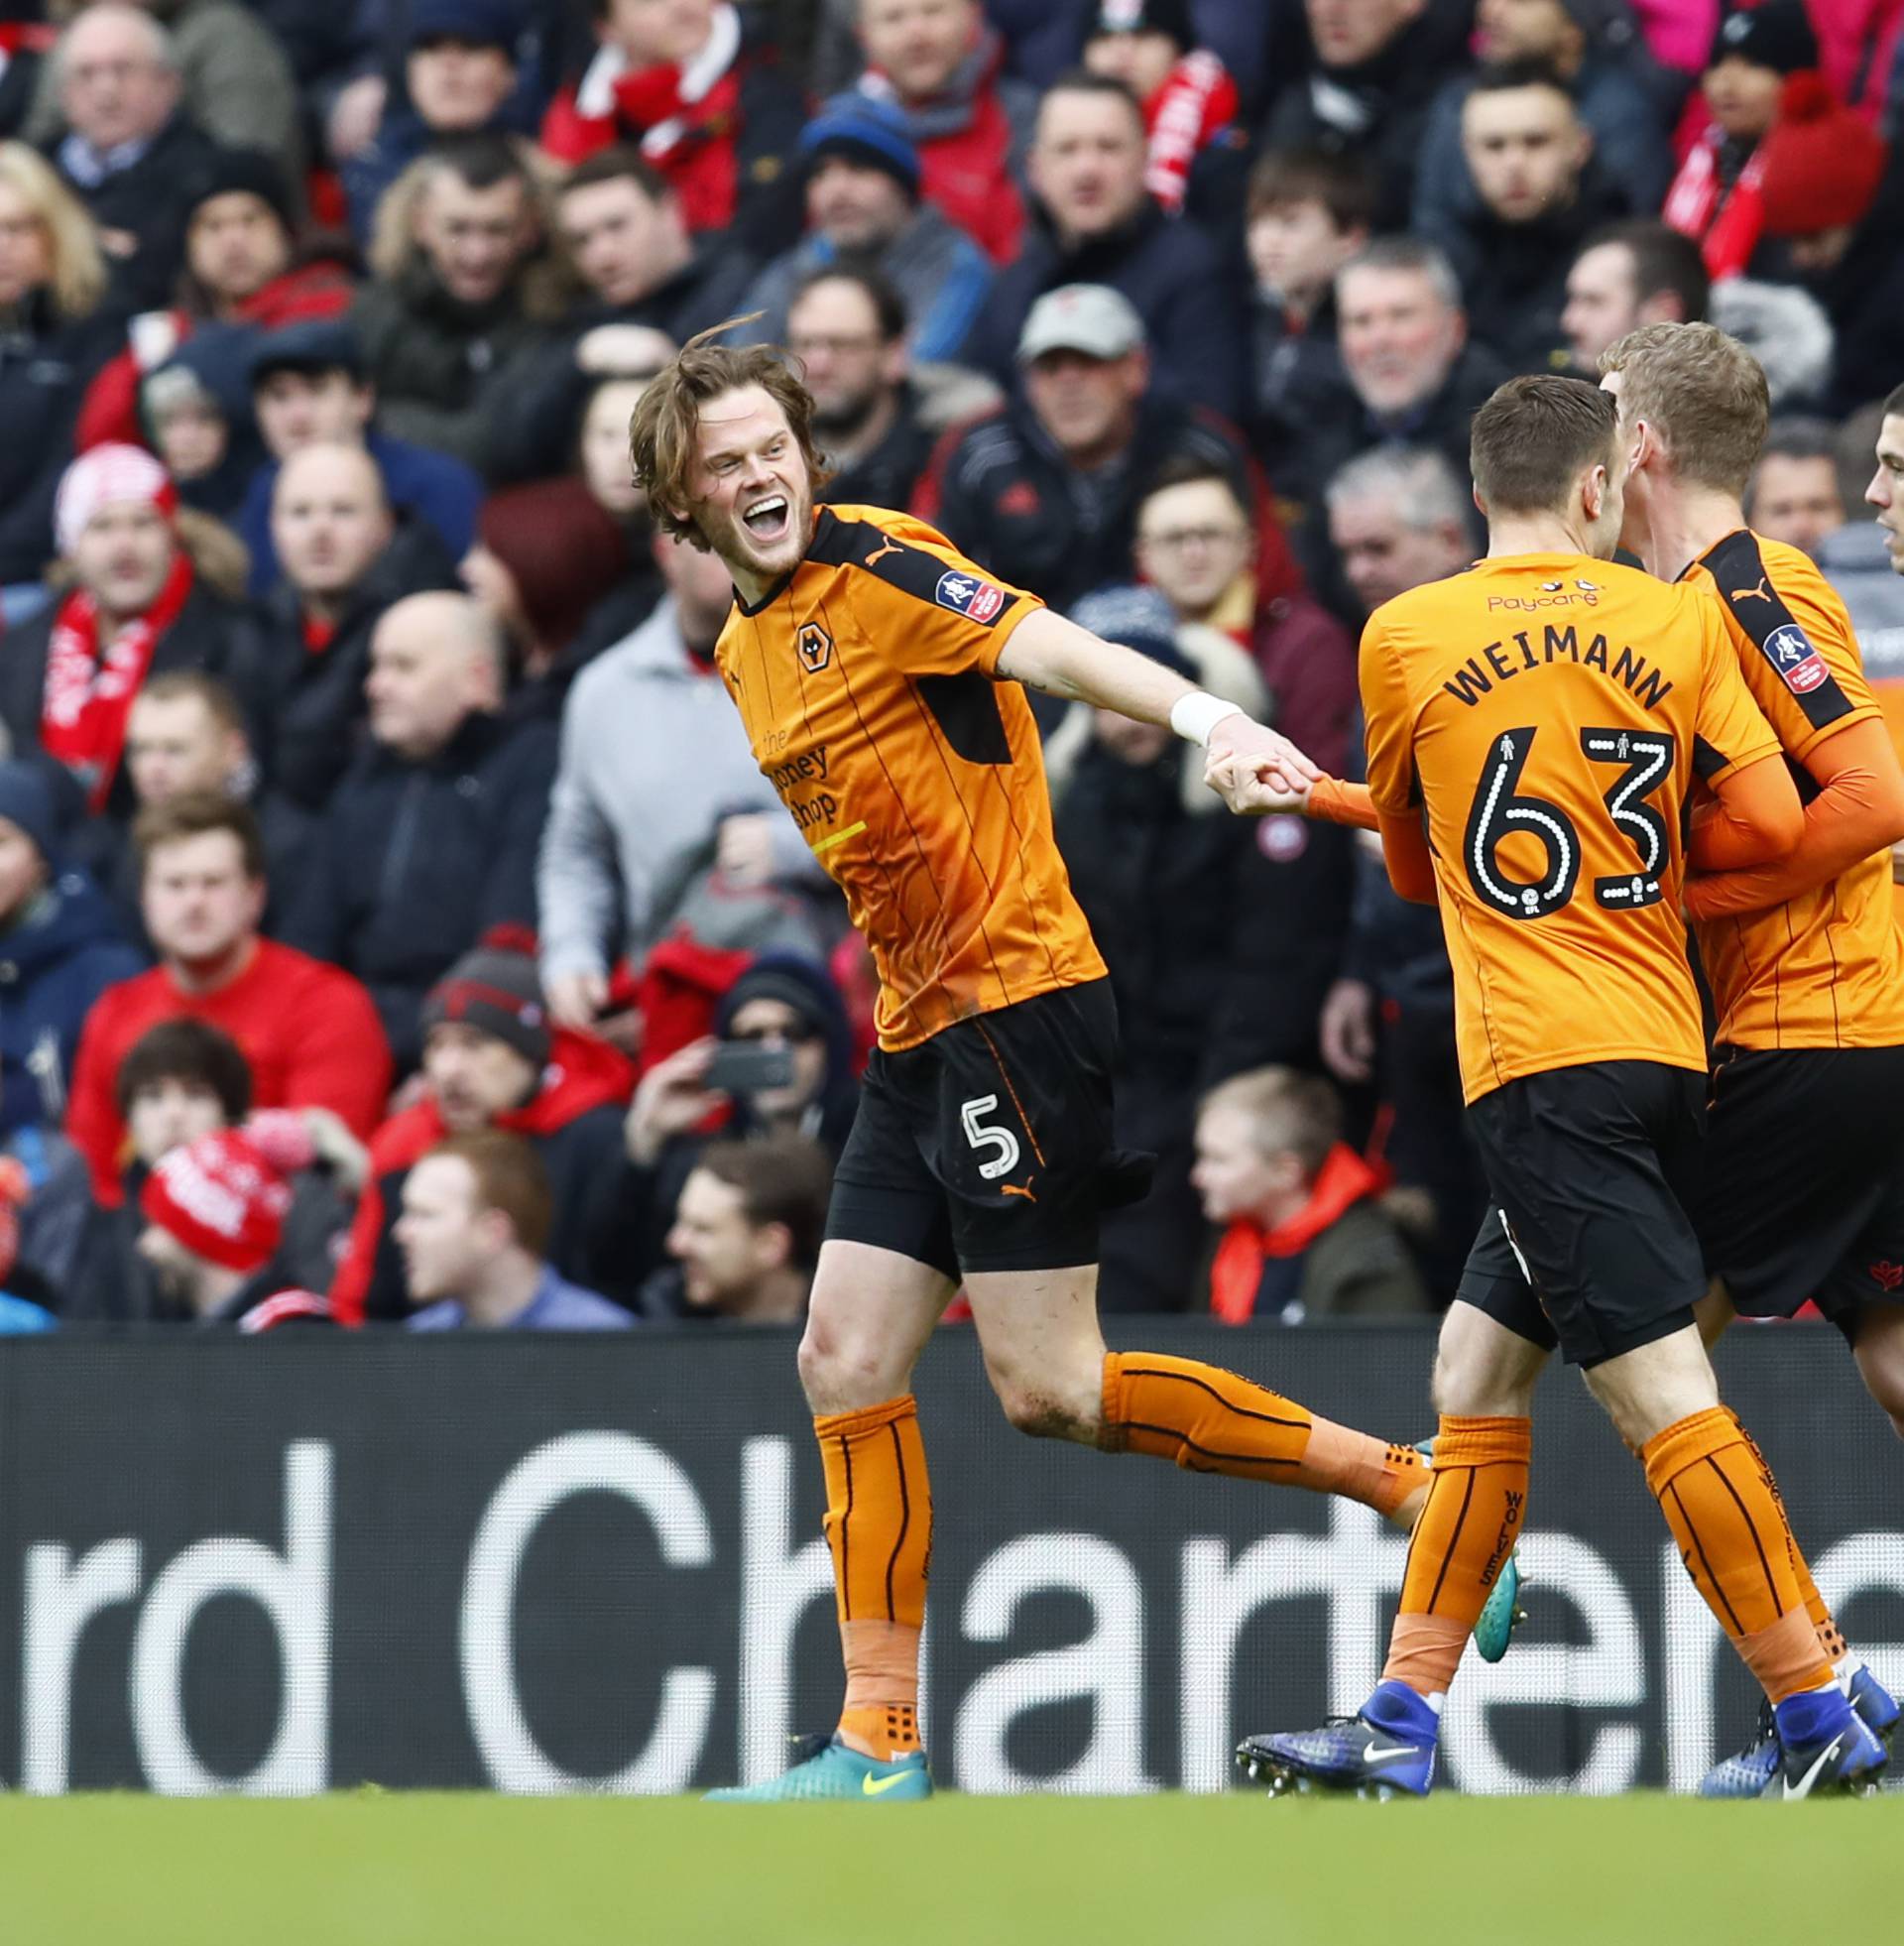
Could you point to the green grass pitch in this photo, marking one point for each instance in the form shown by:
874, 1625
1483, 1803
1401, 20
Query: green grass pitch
473, 1871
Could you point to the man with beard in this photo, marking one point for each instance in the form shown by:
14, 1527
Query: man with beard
847, 327
1542, 194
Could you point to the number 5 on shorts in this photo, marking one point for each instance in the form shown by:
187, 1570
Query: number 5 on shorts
1002, 1142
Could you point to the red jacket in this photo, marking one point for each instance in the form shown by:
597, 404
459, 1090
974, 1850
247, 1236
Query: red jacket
110, 410
308, 1033
585, 1077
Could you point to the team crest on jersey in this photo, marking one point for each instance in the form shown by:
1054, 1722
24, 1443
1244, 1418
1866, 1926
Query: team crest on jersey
815, 647
1789, 650
967, 595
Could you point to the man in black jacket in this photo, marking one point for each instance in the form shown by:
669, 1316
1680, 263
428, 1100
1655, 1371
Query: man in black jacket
346, 558
130, 152
1045, 490
1096, 223
627, 236
1542, 195
1373, 75
431, 840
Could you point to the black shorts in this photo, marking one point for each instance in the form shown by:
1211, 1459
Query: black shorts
988, 1147
1590, 1244
1803, 1191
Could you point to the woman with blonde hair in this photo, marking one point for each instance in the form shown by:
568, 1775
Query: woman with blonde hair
54, 334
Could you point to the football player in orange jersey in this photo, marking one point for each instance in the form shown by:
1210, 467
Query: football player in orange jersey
1803, 1180
1534, 729
878, 674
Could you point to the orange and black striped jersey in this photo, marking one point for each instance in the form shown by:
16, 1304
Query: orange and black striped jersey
1549, 714
867, 684
1824, 969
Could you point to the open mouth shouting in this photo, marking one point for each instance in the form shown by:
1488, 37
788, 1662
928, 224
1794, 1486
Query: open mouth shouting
768, 520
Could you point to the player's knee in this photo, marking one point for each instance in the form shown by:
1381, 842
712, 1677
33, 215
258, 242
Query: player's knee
840, 1373
1042, 1412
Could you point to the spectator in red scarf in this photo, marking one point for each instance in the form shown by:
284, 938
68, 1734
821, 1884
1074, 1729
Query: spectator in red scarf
701, 95
1303, 1234
1189, 101
942, 63
1715, 195
309, 1033
137, 606
489, 1061
242, 267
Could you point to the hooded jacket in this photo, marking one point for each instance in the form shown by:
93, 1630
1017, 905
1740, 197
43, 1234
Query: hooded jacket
1339, 1256
56, 958
653, 756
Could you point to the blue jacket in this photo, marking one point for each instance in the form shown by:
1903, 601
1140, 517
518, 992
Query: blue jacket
56, 960
435, 488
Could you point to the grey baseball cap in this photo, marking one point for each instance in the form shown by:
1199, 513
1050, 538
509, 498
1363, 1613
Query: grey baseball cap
1089, 317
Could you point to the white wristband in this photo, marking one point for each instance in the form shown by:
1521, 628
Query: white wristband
1193, 716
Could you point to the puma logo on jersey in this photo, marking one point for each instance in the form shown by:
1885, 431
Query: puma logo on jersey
1760, 593
887, 547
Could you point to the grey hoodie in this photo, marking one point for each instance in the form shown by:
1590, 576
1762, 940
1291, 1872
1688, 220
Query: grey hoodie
653, 758
1855, 561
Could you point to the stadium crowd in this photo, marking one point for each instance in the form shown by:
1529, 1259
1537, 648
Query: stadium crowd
393, 923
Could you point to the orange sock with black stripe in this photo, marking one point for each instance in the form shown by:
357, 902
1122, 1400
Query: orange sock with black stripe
1724, 1507
1209, 1420
1477, 1498
879, 1527
1830, 1638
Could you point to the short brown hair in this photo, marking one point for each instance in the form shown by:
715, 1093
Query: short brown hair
661, 435
1702, 391
175, 683
192, 816
783, 1178
1346, 185
611, 166
1288, 1111
1894, 400
510, 1177
1532, 440
190, 1051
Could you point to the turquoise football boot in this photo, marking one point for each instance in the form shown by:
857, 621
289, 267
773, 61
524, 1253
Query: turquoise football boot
827, 1769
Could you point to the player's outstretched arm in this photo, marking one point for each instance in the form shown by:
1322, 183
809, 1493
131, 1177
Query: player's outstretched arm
1858, 811
1253, 768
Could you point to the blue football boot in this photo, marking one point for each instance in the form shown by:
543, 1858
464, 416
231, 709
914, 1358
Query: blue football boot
1826, 1748
1750, 1771
1386, 1751
825, 1768
1504, 1614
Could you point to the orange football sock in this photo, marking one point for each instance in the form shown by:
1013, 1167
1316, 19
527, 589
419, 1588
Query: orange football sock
1209, 1420
879, 1527
1476, 1502
1830, 1638
1723, 1505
